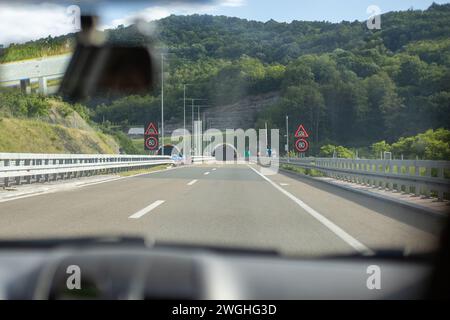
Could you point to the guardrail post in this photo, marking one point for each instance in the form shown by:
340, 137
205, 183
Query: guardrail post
25, 86
42, 85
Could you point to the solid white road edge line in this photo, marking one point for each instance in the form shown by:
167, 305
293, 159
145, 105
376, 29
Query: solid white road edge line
358, 246
192, 182
146, 210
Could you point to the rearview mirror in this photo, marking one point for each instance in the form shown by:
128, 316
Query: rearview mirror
104, 71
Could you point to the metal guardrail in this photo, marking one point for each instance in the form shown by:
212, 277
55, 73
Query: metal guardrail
200, 159
419, 177
34, 68
34, 167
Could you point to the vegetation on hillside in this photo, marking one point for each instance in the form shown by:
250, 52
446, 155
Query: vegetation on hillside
35, 123
430, 145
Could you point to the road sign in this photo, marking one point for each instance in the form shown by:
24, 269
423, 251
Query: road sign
151, 136
301, 132
301, 145
151, 143
151, 129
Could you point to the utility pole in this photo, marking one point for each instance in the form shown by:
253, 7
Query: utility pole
184, 120
287, 137
162, 103
267, 140
192, 132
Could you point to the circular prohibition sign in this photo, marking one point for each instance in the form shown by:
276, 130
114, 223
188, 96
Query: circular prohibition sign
151, 143
301, 145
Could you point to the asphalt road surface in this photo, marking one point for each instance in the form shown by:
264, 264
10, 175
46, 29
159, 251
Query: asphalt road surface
225, 205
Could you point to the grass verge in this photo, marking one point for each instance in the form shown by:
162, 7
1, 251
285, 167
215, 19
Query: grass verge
145, 170
307, 171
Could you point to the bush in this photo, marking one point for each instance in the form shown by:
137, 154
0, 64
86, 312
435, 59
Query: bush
125, 143
328, 150
430, 145
17, 104
380, 147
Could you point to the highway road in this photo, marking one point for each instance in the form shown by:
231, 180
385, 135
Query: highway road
226, 205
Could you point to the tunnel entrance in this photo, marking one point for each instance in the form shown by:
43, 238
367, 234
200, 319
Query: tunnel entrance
224, 152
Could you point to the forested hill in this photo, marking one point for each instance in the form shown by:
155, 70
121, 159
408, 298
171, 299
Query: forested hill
199, 36
347, 84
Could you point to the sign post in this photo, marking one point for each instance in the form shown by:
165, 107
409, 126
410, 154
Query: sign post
151, 136
301, 144
287, 137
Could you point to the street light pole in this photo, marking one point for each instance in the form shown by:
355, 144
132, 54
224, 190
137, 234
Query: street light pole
287, 136
184, 120
192, 132
267, 140
162, 103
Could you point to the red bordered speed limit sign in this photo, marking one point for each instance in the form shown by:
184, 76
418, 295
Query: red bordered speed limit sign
301, 145
151, 143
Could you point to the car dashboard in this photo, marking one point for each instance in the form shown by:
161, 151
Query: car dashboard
130, 272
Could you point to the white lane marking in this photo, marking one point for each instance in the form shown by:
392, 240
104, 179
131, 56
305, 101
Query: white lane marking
192, 182
147, 209
213, 169
358, 246
33, 194
206, 173
284, 184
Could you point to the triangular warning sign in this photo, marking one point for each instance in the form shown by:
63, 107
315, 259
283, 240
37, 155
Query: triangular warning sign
151, 130
301, 132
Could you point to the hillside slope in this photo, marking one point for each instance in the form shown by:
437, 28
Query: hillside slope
51, 127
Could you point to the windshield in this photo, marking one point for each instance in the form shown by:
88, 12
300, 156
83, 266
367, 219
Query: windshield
308, 129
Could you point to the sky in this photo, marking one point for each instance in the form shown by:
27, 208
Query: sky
35, 19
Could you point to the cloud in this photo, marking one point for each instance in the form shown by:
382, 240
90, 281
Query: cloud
27, 22
233, 3
21, 23
178, 8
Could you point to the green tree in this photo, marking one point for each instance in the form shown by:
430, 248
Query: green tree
329, 150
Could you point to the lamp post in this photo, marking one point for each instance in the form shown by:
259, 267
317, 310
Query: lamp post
184, 119
287, 137
162, 103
